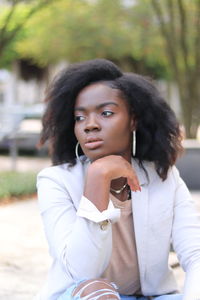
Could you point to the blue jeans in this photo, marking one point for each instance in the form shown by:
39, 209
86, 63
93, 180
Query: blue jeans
67, 295
163, 297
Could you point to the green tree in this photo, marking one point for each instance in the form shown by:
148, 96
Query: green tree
179, 24
84, 30
14, 14
79, 30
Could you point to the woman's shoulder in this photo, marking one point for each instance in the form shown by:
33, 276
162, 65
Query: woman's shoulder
53, 170
64, 170
147, 171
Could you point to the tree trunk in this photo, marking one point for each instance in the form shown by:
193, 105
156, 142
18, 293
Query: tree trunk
179, 51
189, 96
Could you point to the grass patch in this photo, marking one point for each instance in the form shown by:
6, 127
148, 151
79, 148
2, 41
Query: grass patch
16, 184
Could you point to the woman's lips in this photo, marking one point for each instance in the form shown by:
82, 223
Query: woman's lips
93, 144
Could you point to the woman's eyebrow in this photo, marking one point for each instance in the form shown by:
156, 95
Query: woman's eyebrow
82, 108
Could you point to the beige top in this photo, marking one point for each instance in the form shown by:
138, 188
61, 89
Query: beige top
123, 267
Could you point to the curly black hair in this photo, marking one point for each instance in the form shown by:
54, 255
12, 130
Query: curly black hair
158, 134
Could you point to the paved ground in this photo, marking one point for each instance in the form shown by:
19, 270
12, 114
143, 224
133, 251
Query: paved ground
23, 252
24, 259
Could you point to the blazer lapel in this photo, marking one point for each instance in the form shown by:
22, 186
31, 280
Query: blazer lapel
140, 219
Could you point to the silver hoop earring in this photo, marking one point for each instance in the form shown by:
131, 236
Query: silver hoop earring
76, 151
134, 143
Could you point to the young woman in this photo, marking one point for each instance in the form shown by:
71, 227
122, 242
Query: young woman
113, 201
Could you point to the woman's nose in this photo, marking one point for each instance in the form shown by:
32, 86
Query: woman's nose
92, 123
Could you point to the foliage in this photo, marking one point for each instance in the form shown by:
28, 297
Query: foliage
84, 30
14, 14
17, 184
79, 30
179, 24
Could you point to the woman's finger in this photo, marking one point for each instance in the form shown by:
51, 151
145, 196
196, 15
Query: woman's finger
134, 184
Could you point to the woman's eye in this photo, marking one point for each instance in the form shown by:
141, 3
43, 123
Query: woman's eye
107, 113
79, 118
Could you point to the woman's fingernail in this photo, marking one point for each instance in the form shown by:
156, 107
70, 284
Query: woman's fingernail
138, 189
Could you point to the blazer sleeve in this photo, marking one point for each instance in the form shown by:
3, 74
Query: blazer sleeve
79, 244
186, 238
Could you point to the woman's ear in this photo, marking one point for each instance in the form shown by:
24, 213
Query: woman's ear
133, 123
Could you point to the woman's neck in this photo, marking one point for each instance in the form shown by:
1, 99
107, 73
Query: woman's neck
120, 189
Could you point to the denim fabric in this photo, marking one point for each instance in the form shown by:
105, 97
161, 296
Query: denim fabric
164, 297
67, 295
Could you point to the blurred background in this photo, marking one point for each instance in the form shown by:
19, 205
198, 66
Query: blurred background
160, 39
38, 38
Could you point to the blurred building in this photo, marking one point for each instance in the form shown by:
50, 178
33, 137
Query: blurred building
22, 91
26, 83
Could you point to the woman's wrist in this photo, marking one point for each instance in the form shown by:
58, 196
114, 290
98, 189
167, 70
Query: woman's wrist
98, 169
97, 187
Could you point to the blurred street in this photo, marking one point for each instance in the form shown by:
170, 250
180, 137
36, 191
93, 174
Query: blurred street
24, 255
24, 163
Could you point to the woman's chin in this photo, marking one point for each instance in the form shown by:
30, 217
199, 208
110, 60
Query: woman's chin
92, 158
95, 156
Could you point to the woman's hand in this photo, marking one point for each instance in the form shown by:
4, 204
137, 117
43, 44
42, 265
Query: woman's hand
100, 174
115, 166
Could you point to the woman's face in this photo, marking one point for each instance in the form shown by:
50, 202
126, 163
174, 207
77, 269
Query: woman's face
103, 124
